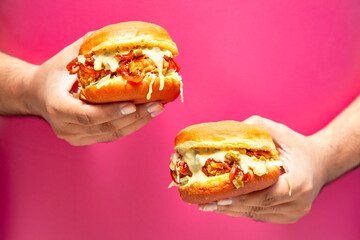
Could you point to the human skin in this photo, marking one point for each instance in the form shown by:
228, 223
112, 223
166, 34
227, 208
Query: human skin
311, 163
45, 91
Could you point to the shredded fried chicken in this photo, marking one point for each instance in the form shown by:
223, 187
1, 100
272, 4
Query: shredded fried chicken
132, 66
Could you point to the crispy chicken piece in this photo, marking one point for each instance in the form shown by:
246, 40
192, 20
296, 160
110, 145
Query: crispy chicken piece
135, 66
143, 65
213, 168
85, 79
259, 154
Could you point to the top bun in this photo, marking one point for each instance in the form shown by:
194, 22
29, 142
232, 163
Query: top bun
128, 35
225, 135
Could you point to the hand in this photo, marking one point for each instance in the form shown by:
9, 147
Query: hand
299, 155
73, 120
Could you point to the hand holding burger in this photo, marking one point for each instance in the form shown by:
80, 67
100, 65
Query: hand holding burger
147, 77
305, 175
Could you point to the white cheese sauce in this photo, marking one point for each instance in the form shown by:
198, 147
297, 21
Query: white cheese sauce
157, 55
196, 160
109, 61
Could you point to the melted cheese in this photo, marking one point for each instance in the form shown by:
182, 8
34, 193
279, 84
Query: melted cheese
246, 163
196, 160
288, 180
148, 96
107, 61
106, 80
157, 56
171, 73
174, 158
218, 156
81, 59
181, 90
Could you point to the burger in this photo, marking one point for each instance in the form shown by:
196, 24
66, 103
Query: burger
129, 61
220, 160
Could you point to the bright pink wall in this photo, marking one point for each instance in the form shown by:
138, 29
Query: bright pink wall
296, 62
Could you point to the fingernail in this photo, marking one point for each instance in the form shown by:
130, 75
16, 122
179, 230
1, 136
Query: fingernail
225, 202
208, 207
155, 109
127, 109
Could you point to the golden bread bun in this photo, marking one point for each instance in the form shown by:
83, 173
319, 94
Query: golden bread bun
118, 91
226, 136
220, 187
128, 35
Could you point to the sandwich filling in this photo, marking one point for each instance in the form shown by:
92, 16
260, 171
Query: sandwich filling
199, 165
130, 66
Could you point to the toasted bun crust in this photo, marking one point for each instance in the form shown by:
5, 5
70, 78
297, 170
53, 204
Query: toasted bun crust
128, 35
221, 188
225, 135
117, 91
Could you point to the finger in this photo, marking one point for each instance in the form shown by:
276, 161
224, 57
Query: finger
111, 126
133, 127
209, 207
274, 195
225, 202
81, 113
254, 216
284, 208
63, 58
71, 51
274, 218
91, 114
65, 84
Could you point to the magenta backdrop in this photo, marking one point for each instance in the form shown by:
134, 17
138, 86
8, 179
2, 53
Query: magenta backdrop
296, 62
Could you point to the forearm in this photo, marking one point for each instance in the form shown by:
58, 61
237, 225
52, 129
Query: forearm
339, 143
15, 85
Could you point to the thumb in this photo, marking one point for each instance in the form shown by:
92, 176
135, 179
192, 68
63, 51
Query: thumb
70, 52
279, 132
64, 57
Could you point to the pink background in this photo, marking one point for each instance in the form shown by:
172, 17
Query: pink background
296, 62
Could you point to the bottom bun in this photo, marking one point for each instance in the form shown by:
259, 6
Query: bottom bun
121, 91
220, 187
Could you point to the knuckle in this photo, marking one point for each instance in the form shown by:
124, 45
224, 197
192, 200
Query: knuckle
262, 219
119, 133
268, 200
256, 209
306, 210
83, 119
52, 111
61, 134
256, 118
250, 215
112, 136
107, 127
138, 114
105, 139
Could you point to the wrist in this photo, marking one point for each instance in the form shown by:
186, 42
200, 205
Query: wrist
323, 154
30, 95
